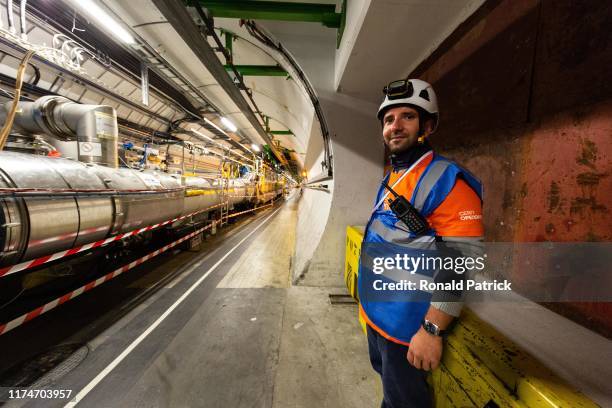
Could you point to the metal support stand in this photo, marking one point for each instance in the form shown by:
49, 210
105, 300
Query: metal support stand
225, 207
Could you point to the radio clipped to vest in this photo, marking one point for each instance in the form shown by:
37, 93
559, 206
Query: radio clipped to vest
416, 223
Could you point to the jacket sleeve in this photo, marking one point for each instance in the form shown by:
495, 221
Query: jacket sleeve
458, 224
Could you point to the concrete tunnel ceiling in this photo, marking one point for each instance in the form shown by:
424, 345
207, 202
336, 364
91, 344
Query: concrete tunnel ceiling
281, 99
148, 23
387, 40
379, 43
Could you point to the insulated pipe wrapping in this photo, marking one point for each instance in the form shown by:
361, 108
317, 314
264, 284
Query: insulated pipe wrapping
94, 127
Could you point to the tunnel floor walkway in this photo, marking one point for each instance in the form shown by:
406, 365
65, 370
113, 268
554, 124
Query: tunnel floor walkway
240, 336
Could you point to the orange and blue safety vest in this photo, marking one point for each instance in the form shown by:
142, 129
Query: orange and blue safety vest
450, 198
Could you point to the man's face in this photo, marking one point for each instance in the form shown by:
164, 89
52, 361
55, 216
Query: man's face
401, 128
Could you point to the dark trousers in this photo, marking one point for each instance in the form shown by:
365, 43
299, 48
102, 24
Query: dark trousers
403, 385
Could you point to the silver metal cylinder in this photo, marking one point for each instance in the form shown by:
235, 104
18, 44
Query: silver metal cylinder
34, 226
92, 127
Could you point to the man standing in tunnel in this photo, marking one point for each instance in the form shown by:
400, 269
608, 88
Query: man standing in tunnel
421, 205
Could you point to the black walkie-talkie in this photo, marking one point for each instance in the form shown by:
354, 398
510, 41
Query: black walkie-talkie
406, 212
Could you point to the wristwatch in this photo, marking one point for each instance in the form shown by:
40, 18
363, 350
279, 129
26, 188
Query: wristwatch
432, 328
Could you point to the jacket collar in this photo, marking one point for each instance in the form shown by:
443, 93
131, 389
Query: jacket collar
408, 157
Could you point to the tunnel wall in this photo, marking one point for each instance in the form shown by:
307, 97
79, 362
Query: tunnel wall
314, 204
357, 154
526, 104
324, 213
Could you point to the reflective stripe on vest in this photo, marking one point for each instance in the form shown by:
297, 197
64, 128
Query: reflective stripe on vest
399, 235
426, 183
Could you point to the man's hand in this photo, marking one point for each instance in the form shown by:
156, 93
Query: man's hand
425, 350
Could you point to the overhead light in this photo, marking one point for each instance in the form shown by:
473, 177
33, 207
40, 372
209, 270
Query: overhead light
256, 148
215, 126
96, 12
228, 124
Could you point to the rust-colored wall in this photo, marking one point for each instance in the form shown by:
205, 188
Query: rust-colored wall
566, 177
526, 104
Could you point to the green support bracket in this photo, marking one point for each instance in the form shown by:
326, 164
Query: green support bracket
268, 152
281, 132
229, 38
259, 70
272, 10
342, 24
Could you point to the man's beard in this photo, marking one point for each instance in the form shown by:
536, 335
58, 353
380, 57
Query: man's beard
402, 146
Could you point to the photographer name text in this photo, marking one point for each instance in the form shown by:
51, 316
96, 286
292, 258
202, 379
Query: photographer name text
429, 286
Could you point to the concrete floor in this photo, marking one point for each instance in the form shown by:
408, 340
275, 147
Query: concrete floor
260, 348
266, 262
320, 359
243, 338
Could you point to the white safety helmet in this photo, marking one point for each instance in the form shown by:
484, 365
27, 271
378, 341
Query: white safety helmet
410, 92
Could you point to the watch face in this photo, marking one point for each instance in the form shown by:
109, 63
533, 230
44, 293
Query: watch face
430, 328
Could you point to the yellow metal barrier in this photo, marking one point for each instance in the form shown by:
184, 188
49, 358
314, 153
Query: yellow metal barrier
480, 367
354, 236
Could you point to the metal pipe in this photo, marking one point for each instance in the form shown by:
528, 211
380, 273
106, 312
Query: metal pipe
144, 83
90, 84
9, 13
53, 204
11, 192
183, 160
22, 17
94, 127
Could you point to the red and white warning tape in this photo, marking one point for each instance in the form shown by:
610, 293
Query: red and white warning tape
8, 270
5, 327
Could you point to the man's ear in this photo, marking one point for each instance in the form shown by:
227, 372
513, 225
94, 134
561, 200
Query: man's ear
427, 128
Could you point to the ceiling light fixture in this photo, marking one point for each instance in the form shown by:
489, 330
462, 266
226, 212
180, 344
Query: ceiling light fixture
94, 11
215, 126
228, 124
255, 148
